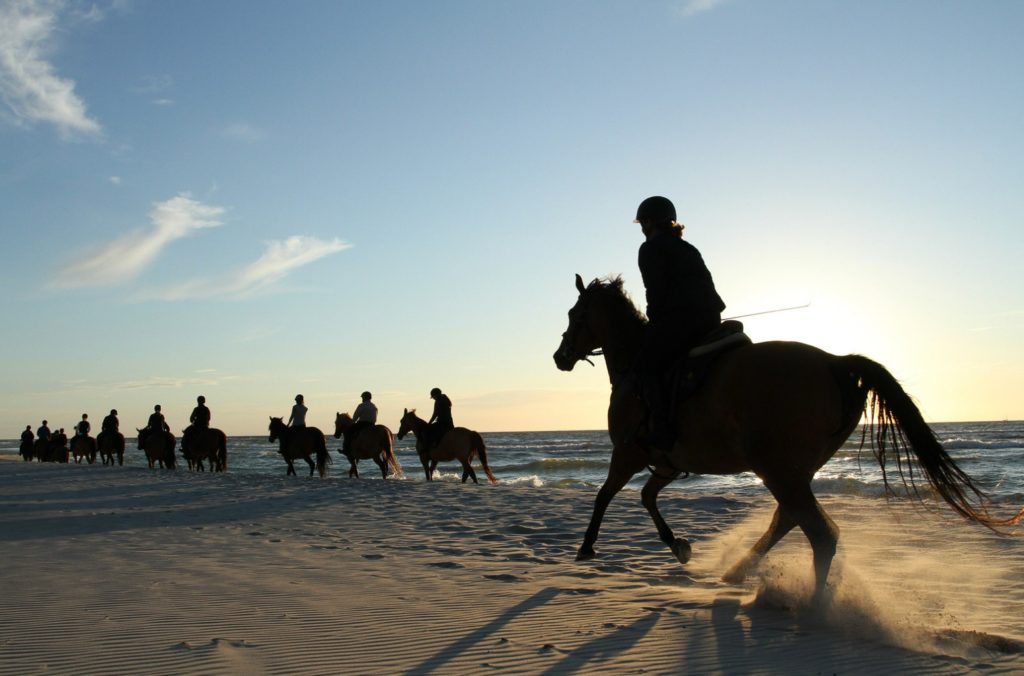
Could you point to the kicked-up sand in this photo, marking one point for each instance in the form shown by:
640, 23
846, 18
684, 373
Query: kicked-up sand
134, 571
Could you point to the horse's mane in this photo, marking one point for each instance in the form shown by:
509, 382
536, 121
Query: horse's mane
611, 288
345, 416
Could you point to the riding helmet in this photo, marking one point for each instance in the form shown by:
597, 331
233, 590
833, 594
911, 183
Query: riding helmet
656, 209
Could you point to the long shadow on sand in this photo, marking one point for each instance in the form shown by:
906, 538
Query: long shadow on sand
439, 660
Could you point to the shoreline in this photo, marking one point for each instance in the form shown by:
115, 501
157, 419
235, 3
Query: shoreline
141, 571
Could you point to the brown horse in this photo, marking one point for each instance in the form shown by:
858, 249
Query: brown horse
159, 447
83, 447
110, 443
777, 409
300, 442
54, 449
374, 442
198, 444
457, 444
27, 449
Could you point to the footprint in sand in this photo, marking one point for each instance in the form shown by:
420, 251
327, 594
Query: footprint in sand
373, 557
504, 577
446, 564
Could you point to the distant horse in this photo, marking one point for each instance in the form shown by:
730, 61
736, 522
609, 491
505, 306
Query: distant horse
159, 447
458, 444
205, 444
54, 449
375, 442
300, 442
83, 447
777, 409
27, 449
110, 443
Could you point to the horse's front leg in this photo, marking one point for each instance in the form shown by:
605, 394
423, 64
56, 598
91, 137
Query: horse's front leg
620, 471
649, 497
430, 472
353, 471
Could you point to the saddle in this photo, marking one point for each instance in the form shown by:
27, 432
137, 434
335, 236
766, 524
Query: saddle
689, 370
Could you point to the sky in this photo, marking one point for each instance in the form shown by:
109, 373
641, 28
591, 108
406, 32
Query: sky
252, 200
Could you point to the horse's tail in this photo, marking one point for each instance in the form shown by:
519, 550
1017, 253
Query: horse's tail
322, 457
222, 451
895, 426
389, 451
170, 460
481, 450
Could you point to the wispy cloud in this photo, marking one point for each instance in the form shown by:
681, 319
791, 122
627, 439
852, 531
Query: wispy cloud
690, 8
29, 85
124, 257
279, 259
244, 132
116, 180
154, 87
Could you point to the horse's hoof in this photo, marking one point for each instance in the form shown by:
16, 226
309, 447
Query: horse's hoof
682, 550
585, 554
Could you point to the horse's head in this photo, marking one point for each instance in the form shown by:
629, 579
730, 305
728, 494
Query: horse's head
342, 421
580, 340
408, 423
277, 426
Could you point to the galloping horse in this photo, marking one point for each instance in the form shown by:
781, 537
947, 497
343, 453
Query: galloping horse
300, 442
375, 442
458, 444
159, 446
205, 444
777, 409
83, 447
111, 443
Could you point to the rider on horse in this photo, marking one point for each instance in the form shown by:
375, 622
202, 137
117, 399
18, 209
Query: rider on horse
364, 416
156, 423
83, 427
440, 422
200, 420
682, 308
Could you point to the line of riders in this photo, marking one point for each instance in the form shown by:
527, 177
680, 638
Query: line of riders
363, 439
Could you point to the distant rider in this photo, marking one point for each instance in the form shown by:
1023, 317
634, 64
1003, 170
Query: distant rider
364, 416
83, 427
156, 423
298, 416
440, 422
199, 420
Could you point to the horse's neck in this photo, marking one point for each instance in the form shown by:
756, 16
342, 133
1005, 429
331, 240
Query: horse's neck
620, 350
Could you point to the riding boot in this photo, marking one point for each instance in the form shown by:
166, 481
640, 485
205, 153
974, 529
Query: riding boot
660, 434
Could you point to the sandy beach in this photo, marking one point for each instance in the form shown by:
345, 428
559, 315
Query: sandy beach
130, 571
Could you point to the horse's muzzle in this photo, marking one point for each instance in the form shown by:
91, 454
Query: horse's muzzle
563, 360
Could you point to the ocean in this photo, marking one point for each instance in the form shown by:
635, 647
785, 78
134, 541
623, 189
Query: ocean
990, 452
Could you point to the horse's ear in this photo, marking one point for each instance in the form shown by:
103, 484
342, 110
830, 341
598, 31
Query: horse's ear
405, 411
579, 284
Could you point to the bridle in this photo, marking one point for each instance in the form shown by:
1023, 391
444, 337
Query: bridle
569, 339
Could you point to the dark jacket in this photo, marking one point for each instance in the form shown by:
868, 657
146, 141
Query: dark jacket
110, 424
443, 412
200, 416
680, 291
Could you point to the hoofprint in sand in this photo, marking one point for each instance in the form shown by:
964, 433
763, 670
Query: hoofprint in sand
126, 570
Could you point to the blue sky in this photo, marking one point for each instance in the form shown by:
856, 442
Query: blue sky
248, 200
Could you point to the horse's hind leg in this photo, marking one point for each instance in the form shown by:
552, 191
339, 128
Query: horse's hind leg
782, 523
467, 472
353, 469
799, 503
620, 471
383, 464
312, 465
649, 496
